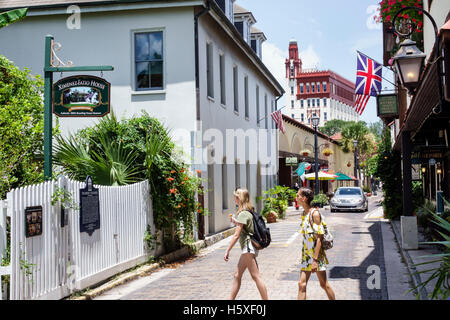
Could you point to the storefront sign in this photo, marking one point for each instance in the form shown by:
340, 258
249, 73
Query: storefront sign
89, 208
387, 105
291, 162
81, 96
33, 221
415, 172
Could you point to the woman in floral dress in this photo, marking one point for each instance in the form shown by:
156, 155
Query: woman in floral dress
314, 259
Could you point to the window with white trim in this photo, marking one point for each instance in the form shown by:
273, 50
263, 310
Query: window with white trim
149, 60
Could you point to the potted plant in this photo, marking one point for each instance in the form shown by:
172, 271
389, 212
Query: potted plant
327, 152
320, 200
277, 200
349, 164
305, 152
269, 212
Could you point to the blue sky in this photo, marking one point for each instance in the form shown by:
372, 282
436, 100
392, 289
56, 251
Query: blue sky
328, 33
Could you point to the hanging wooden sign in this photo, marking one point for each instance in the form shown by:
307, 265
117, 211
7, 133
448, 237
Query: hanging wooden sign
81, 96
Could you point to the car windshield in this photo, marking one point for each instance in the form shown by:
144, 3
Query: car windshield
348, 191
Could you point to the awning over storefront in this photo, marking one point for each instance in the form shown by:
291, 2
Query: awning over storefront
343, 177
322, 176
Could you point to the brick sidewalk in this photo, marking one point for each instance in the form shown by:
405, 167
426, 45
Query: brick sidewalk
358, 246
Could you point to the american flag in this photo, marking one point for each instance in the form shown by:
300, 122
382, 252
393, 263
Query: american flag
368, 81
277, 116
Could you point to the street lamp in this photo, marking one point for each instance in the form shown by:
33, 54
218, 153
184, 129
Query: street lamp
409, 60
355, 145
315, 120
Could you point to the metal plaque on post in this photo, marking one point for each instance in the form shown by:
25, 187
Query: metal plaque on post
89, 208
387, 105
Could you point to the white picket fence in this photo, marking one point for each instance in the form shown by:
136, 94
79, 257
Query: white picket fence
63, 260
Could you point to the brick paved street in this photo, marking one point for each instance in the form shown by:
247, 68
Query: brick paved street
358, 245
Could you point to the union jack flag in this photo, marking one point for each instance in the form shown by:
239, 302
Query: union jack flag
368, 81
277, 116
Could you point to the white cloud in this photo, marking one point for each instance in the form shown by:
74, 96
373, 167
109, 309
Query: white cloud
375, 40
310, 58
274, 58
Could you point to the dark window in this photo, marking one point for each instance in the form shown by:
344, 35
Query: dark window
209, 70
240, 27
221, 4
222, 80
254, 45
236, 89
257, 105
246, 96
149, 60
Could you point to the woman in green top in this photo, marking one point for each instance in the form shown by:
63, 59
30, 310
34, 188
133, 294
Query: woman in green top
244, 229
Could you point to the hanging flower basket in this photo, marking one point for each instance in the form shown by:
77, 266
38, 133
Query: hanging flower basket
327, 152
305, 152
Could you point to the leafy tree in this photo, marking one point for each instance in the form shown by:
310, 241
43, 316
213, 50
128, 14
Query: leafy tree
377, 129
388, 170
357, 131
21, 127
8, 17
334, 126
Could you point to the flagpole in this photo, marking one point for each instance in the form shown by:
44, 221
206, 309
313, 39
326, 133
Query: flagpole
380, 65
270, 114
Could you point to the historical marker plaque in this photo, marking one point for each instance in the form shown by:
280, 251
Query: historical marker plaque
33, 221
81, 96
89, 208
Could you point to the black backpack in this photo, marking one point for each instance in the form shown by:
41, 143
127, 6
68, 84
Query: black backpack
261, 237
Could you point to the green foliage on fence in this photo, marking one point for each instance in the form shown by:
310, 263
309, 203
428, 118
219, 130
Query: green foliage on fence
21, 127
122, 152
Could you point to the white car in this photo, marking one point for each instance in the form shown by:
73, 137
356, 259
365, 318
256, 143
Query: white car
349, 199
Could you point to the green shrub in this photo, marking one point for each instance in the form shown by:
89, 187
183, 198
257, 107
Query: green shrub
424, 212
21, 127
121, 152
320, 200
441, 273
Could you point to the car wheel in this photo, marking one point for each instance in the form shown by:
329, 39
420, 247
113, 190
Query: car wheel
332, 210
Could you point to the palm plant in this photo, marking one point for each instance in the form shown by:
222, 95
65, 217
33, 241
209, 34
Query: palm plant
104, 159
8, 17
441, 273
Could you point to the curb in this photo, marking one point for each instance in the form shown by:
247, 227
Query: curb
182, 253
409, 263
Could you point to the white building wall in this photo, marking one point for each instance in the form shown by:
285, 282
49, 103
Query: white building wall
106, 38
214, 115
439, 10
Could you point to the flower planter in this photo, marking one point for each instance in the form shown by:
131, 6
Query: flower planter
271, 217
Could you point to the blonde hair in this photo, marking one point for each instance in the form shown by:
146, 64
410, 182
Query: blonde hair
244, 200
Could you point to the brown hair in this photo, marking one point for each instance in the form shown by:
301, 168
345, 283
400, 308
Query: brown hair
308, 193
244, 200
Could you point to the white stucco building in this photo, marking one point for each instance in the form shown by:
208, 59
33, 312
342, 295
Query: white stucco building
184, 62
